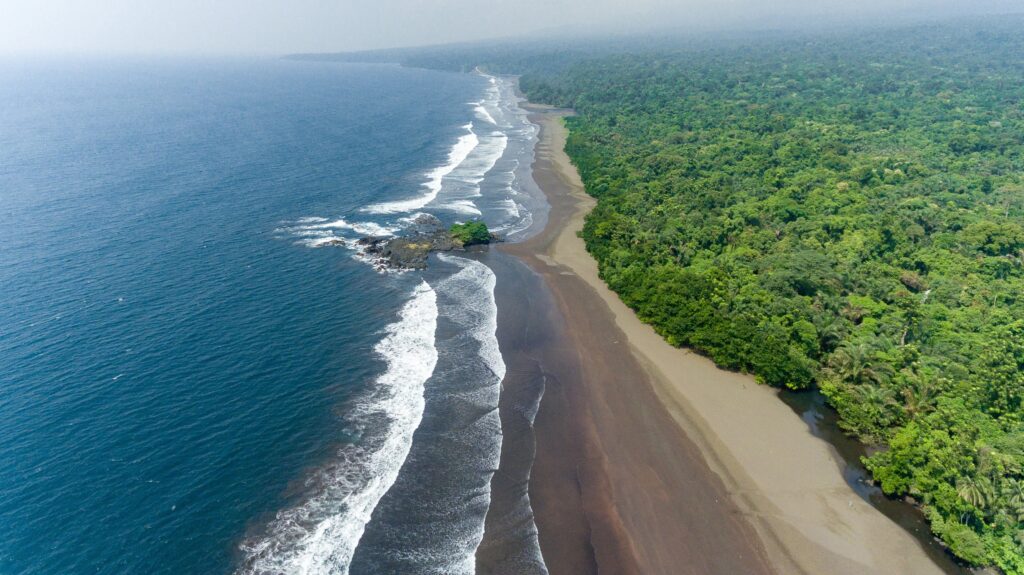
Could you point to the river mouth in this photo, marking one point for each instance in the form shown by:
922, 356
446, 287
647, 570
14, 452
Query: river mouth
823, 423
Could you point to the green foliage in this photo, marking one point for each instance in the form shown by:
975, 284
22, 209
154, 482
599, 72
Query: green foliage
471, 232
963, 541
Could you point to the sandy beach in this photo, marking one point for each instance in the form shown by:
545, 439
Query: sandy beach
649, 458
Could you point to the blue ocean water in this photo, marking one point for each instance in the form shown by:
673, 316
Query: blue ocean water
188, 384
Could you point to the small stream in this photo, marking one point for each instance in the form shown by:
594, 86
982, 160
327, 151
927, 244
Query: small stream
822, 421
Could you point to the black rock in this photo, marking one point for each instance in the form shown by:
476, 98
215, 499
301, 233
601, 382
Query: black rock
412, 251
426, 224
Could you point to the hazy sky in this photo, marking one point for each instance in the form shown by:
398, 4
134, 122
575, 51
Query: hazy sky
280, 26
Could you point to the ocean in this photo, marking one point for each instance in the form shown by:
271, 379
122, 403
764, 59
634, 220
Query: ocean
199, 370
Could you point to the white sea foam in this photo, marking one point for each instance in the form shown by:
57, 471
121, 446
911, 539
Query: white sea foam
467, 178
479, 282
458, 154
518, 218
492, 101
319, 536
318, 232
363, 228
523, 225
476, 167
477, 315
321, 241
511, 207
495, 150
466, 207
303, 232
483, 114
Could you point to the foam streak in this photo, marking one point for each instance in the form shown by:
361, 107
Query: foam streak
458, 154
319, 536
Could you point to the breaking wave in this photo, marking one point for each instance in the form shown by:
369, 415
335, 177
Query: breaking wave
319, 536
458, 154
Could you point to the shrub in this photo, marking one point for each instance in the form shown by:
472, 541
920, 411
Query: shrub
471, 232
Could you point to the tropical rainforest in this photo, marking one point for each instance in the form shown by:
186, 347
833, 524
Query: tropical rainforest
840, 211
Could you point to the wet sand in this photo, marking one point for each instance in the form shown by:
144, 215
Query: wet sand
649, 459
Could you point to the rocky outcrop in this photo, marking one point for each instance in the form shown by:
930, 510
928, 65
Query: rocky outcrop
411, 252
426, 224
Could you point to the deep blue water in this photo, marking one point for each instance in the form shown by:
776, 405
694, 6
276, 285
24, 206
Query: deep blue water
171, 364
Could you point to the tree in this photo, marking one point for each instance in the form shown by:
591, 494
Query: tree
856, 364
976, 491
471, 232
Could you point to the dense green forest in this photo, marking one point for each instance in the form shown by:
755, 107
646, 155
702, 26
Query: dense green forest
841, 211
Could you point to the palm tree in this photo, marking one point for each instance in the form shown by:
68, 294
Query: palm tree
974, 490
830, 330
1014, 492
878, 399
856, 364
877, 396
921, 392
1003, 518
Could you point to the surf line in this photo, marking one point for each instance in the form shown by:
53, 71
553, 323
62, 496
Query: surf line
319, 536
458, 154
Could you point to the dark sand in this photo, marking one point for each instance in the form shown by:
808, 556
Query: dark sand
538, 357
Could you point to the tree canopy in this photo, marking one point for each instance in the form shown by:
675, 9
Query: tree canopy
471, 232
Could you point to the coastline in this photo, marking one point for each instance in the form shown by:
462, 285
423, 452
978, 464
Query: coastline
640, 463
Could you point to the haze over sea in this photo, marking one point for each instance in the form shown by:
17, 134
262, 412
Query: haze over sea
198, 373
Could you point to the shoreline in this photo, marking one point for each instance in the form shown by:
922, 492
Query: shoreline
665, 480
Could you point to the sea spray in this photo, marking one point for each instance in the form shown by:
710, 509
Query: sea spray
319, 536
